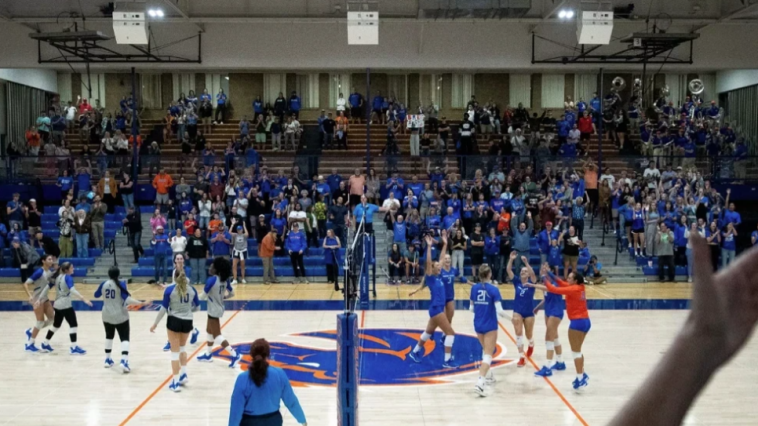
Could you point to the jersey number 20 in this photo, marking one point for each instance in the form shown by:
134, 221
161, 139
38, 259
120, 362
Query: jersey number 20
110, 294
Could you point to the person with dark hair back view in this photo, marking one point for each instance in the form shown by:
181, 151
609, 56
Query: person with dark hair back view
257, 392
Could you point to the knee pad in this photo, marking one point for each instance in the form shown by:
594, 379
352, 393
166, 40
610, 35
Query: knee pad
183, 349
71, 330
576, 355
486, 359
550, 346
519, 341
125, 346
449, 341
425, 336
557, 342
219, 340
39, 325
108, 344
55, 329
174, 356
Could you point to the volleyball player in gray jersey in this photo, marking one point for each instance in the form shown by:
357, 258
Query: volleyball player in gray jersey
64, 289
180, 301
116, 298
239, 252
40, 279
216, 290
179, 267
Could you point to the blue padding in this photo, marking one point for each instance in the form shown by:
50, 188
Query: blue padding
680, 270
16, 273
252, 261
78, 261
282, 271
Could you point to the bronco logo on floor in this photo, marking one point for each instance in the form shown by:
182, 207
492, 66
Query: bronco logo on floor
384, 358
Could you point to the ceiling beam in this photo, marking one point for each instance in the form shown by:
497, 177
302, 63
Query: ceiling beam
739, 12
181, 7
557, 5
6, 18
729, 18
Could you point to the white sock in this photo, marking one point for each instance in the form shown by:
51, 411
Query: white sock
480, 382
184, 369
30, 341
231, 351
417, 349
559, 358
73, 345
176, 378
579, 377
209, 348
46, 342
531, 342
448, 356
550, 363
124, 357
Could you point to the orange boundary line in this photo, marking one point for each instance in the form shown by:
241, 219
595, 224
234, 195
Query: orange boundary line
555, 389
165, 382
363, 318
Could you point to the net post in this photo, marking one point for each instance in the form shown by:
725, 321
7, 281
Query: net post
348, 374
365, 266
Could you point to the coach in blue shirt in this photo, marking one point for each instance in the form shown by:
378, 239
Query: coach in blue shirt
294, 104
257, 392
367, 210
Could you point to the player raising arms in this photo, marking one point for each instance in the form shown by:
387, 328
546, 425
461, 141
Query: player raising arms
116, 298
217, 289
553, 304
523, 306
180, 301
40, 279
64, 288
576, 307
437, 317
447, 275
486, 303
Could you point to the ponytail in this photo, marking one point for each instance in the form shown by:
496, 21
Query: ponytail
181, 284
259, 352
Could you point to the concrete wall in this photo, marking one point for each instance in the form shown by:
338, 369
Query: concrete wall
735, 79
42, 79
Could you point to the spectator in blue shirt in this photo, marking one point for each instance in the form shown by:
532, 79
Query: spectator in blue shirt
728, 245
356, 106
14, 211
731, 216
492, 251
161, 250
334, 180
592, 272
83, 182
545, 240
366, 210
376, 108
257, 108
220, 242
294, 104
221, 101
295, 245
257, 392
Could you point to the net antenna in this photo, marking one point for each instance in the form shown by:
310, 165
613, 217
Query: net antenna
353, 268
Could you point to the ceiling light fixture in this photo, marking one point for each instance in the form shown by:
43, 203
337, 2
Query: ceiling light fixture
566, 14
155, 13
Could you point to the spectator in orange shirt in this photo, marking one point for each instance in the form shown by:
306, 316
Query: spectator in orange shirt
32, 139
213, 224
266, 252
162, 184
355, 185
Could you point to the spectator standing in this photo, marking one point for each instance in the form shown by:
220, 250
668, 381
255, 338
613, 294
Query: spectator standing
545, 241
23, 257
296, 245
82, 227
162, 184
178, 244
356, 185
157, 220
664, 248
221, 101
266, 249
97, 216
522, 233
294, 105
107, 189
729, 245
577, 216
133, 225
161, 249
14, 211
477, 249
239, 251
395, 261
492, 251
331, 245
571, 244
356, 106
126, 189
33, 217
221, 242
65, 239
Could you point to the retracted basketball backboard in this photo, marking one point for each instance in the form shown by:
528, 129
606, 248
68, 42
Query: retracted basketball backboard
363, 27
130, 23
594, 23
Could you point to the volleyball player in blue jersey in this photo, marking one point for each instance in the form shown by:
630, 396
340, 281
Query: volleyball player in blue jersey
523, 306
553, 305
437, 317
447, 275
486, 303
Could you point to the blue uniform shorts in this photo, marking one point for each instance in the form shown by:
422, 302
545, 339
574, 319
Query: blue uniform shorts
582, 324
554, 313
436, 310
485, 329
526, 313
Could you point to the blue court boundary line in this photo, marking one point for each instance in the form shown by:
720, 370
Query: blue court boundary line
377, 305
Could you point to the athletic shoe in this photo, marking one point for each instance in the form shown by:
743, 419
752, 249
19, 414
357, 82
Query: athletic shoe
521, 362
412, 355
580, 384
108, 363
449, 364
243, 281
559, 366
544, 372
479, 391
234, 282
529, 351
167, 347
183, 379
195, 335
585, 377
490, 379
174, 386
76, 350
235, 361
28, 333
125, 366
31, 348
205, 358
45, 348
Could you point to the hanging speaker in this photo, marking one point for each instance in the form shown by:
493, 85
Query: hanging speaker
130, 23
